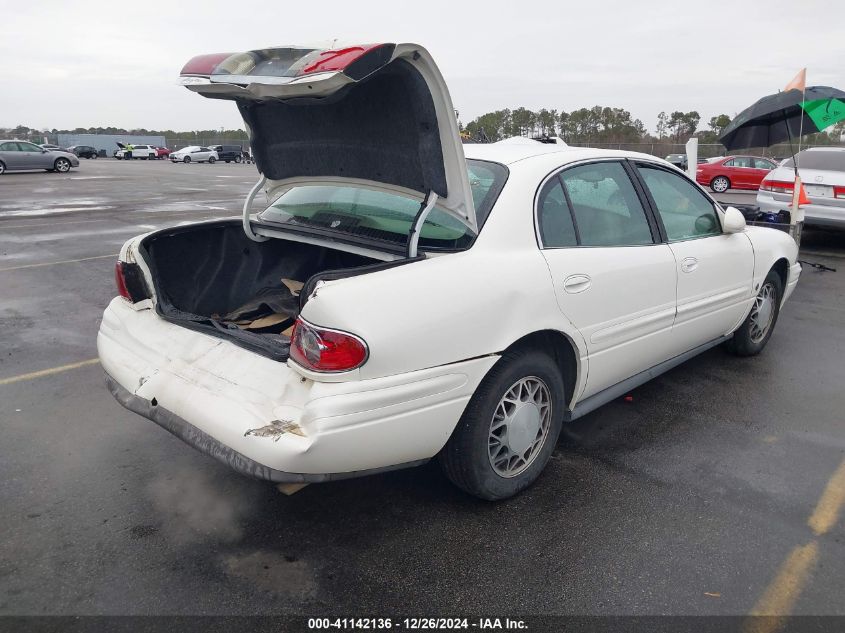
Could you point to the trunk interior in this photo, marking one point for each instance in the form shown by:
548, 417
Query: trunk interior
212, 278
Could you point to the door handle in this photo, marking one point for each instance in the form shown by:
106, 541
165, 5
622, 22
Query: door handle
689, 264
576, 283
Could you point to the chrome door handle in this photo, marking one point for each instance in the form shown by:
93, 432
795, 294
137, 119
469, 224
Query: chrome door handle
689, 264
576, 283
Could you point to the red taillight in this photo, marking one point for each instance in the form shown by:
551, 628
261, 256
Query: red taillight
337, 59
120, 281
319, 349
777, 186
839, 192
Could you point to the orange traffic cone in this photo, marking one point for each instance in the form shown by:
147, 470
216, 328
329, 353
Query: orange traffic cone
802, 194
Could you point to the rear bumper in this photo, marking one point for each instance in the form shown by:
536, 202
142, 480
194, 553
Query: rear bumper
822, 215
265, 419
205, 443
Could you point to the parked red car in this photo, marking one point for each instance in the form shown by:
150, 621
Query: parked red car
162, 152
734, 172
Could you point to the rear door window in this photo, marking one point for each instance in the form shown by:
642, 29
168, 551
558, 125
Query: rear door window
605, 205
762, 163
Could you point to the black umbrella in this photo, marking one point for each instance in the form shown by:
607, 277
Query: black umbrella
776, 118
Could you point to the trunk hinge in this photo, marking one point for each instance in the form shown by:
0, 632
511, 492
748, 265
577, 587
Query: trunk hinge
414, 235
247, 205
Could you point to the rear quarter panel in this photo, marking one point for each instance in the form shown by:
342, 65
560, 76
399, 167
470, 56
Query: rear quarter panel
441, 310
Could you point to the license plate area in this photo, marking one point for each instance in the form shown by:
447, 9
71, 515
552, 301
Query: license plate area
819, 191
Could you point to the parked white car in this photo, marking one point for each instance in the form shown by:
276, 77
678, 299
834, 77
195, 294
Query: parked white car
194, 154
398, 301
822, 171
144, 152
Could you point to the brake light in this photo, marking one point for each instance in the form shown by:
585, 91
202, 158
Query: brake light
120, 281
777, 186
839, 192
324, 350
287, 61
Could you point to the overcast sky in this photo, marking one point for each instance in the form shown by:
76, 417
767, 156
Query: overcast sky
89, 63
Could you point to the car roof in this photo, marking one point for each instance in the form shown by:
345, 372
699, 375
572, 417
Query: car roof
825, 149
510, 153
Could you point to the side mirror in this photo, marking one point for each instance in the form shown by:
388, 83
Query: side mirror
734, 221
44, 151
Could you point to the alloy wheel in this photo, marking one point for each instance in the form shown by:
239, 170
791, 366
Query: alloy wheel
720, 184
62, 165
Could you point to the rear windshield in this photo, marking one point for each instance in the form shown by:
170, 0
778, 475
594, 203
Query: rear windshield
385, 216
833, 160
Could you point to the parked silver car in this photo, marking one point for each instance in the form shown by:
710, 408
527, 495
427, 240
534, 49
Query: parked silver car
23, 155
822, 171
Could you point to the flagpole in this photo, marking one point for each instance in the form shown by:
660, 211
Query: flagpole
796, 214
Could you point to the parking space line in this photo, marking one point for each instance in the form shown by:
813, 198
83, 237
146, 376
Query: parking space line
830, 504
66, 261
48, 372
783, 591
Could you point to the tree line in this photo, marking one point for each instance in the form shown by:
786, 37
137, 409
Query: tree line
22, 131
602, 124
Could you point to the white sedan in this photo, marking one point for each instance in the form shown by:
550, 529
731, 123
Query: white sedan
194, 154
398, 300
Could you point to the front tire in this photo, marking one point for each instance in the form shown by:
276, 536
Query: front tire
720, 184
509, 429
62, 165
755, 331
186, 160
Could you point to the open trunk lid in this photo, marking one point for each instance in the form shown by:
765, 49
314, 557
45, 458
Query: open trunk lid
376, 116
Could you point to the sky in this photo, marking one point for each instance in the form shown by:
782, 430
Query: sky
94, 63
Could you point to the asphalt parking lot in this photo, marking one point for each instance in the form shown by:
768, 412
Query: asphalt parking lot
701, 495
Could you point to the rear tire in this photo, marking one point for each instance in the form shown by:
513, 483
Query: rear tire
2, 168
509, 429
720, 184
755, 331
211, 160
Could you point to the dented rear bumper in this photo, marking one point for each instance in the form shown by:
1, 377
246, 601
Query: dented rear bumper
267, 420
204, 443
